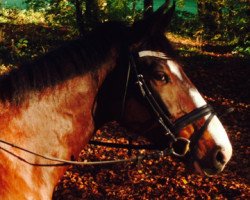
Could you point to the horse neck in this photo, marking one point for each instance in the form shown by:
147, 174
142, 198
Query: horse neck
110, 96
58, 122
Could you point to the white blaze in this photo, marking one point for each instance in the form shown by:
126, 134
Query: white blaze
174, 68
215, 127
197, 98
220, 137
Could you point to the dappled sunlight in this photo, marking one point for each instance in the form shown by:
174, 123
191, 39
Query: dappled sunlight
189, 46
15, 16
192, 42
5, 69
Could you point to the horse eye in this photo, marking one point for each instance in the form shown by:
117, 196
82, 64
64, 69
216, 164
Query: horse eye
161, 76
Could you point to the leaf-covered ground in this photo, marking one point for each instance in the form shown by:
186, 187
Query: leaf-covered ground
225, 83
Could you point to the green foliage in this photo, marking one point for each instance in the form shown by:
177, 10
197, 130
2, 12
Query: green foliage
56, 12
185, 24
233, 21
21, 49
217, 21
37, 5
61, 13
16, 16
121, 10
22, 44
243, 49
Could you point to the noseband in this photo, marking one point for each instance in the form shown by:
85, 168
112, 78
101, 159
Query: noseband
171, 129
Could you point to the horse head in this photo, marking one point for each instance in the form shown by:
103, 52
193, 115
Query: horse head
160, 102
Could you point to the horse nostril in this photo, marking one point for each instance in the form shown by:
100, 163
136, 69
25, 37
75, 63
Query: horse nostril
220, 158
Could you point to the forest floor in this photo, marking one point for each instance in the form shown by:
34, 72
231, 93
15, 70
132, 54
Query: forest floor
224, 81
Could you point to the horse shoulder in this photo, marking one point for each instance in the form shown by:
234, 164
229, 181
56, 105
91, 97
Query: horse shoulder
55, 122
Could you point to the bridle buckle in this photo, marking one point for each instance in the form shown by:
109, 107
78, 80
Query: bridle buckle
180, 147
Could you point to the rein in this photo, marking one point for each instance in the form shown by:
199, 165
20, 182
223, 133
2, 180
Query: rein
62, 162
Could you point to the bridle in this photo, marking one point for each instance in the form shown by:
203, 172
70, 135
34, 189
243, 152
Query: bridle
170, 129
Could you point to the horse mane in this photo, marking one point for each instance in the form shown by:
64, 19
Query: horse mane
70, 60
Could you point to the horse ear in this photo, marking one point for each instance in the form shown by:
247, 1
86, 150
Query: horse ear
161, 10
155, 23
165, 19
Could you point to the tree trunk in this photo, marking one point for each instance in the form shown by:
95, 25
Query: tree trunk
79, 17
134, 8
92, 13
148, 7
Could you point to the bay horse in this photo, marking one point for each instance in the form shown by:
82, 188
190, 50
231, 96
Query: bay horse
53, 105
